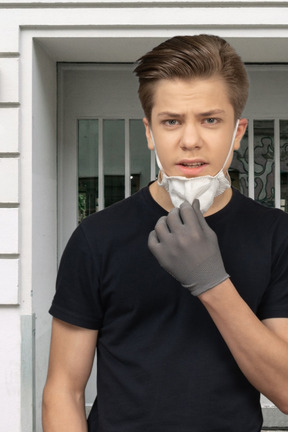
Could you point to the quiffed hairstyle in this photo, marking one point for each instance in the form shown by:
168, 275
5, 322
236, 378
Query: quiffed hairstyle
188, 57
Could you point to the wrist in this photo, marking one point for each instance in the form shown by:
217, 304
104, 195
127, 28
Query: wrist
217, 294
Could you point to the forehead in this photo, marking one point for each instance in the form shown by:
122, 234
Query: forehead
191, 94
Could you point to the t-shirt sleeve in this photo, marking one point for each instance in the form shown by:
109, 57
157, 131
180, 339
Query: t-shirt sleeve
77, 299
275, 301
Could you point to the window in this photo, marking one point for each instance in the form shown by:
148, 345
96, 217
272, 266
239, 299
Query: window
260, 167
113, 162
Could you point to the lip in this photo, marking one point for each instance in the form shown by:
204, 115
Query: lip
186, 168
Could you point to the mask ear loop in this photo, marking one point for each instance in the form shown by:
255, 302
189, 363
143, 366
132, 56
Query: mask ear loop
156, 155
231, 145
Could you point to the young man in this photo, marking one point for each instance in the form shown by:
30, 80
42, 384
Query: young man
167, 360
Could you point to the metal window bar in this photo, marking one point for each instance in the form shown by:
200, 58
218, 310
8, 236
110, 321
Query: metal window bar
251, 158
127, 159
277, 170
100, 166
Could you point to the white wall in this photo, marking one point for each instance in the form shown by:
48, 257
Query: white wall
10, 326
44, 210
33, 36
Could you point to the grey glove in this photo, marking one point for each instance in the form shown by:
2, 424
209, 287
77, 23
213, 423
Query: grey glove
187, 248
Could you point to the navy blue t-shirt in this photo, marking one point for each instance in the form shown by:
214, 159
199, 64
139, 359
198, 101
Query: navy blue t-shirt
162, 365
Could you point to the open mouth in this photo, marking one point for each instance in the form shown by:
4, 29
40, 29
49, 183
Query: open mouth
192, 165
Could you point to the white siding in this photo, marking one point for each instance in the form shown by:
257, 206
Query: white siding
10, 371
9, 80
9, 293
9, 231
9, 180
9, 130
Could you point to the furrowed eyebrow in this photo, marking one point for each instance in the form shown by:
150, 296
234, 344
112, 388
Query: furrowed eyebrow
168, 114
204, 114
212, 113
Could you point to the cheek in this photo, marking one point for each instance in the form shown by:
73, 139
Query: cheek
167, 148
161, 155
229, 161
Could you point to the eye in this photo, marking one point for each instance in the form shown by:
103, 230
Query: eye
171, 122
211, 121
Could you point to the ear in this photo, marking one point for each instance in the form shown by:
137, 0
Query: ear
242, 125
148, 134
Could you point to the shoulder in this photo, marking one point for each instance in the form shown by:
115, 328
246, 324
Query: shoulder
119, 213
261, 226
130, 218
246, 220
258, 214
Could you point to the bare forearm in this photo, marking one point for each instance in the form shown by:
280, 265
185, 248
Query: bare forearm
261, 354
63, 412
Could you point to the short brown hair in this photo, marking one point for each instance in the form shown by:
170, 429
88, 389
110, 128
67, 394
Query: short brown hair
188, 57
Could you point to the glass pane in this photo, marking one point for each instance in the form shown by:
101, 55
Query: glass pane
284, 163
87, 167
264, 162
239, 167
139, 156
114, 161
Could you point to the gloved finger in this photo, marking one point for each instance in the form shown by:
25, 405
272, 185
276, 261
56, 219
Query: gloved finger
188, 215
161, 228
154, 245
152, 239
174, 222
202, 222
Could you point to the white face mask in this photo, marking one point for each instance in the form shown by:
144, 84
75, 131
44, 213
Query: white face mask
203, 188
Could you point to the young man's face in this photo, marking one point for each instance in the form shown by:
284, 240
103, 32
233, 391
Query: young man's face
192, 122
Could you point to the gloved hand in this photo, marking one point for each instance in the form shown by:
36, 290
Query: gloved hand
187, 248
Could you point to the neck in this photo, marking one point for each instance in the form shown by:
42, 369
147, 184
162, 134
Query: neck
162, 197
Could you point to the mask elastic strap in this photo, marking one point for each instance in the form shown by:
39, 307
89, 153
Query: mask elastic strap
156, 155
232, 143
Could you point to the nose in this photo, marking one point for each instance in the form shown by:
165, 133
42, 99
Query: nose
190, 138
